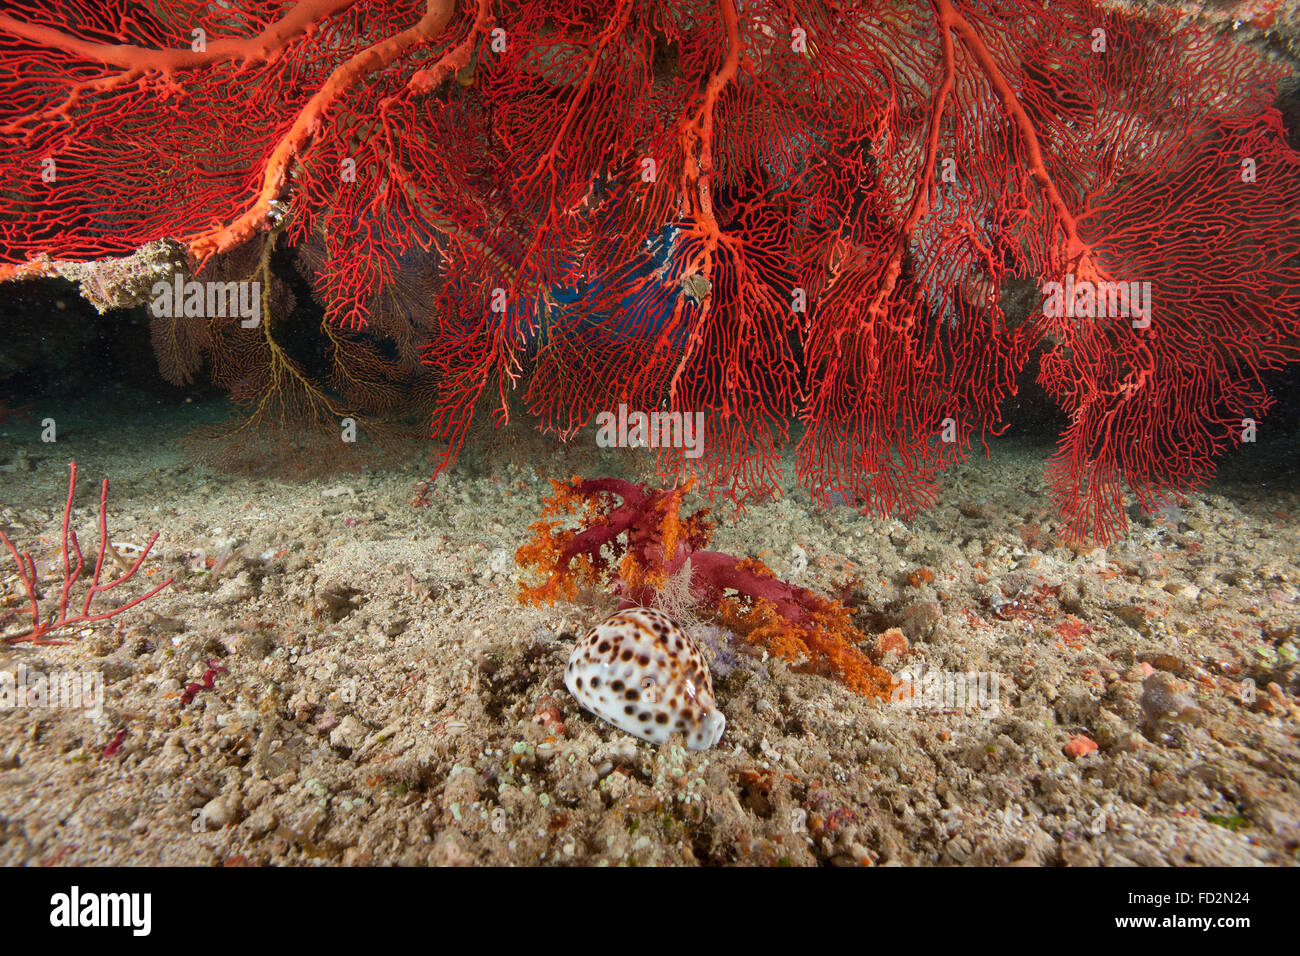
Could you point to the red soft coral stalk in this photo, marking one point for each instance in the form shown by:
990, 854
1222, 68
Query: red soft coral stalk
640, 517
644, 530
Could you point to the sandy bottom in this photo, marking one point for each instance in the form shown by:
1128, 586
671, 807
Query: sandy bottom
378, 696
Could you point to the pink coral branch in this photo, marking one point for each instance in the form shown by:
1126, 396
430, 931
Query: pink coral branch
73, 564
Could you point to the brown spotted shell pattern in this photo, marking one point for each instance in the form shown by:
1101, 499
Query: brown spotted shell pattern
641, 672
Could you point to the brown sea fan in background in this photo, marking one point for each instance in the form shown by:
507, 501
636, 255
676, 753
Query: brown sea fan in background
297, 380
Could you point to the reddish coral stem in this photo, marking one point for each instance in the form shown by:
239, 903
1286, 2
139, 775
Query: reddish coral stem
73, 564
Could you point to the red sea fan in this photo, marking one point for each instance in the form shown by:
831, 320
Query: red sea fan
828, 224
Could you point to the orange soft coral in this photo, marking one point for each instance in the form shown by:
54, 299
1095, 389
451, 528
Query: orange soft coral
634, 539
824, 640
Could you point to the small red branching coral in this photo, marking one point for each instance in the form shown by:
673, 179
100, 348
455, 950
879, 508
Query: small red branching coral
73, 564
649, 541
